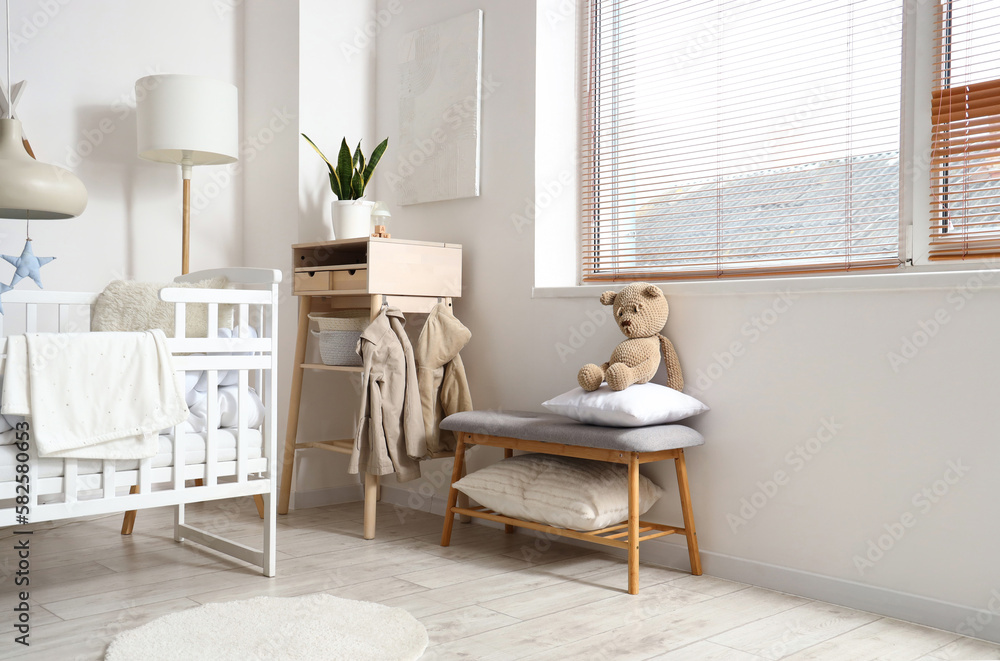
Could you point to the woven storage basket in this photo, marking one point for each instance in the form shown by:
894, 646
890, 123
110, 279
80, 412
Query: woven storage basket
338, 336
338, 348
343, 320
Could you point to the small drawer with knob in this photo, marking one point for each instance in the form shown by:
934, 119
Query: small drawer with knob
307, 281
353, 279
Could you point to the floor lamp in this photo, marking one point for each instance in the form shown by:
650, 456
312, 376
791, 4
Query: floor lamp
187, 121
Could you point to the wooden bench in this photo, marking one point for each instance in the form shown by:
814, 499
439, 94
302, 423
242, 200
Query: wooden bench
558, 435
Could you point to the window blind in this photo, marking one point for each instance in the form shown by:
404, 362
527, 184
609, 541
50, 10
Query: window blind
965, 156
736, 137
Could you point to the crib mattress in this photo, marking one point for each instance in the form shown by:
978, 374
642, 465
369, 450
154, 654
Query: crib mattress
194, 453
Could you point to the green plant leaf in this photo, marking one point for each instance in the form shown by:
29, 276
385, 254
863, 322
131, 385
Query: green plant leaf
335, 185
328, 164
358, 158
334, 180
345, 170
373, 161
358, 186
350, 177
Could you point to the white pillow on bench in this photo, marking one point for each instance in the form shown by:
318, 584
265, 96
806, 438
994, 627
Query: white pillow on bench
565, 492
639, 405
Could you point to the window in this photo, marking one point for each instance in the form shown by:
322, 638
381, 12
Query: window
965, 156
736, 137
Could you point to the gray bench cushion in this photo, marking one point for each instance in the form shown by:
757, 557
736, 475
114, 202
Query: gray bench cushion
560, 429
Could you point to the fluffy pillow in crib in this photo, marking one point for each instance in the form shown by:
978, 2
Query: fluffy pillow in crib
565, 492
228, 409
637, 406
129, 306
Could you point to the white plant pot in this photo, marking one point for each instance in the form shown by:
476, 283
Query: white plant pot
352, 219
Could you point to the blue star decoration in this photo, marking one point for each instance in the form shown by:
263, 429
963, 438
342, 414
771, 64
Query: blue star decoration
3, 290
27, 265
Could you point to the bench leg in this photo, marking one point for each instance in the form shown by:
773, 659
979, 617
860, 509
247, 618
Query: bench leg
633, 523
463, 500
456, 475
692, 536
507, 454
371, 498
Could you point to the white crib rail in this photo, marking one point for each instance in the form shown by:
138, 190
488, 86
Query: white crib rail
75, 494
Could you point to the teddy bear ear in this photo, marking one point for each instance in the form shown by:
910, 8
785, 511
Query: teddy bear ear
608, 297
652, 291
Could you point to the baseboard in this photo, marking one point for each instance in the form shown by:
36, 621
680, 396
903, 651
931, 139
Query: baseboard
349, 493
851, 594
984, 624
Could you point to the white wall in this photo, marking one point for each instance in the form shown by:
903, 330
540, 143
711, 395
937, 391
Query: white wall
305, 57
271, 201
81, 61
336, 95
823, 358
337, 92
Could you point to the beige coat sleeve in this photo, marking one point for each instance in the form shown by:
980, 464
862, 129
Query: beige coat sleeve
412, 443
359, 453
441, 375
429, 383
369, 452
379, 445
381, 432
455, 396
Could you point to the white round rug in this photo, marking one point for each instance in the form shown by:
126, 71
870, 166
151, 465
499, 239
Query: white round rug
318, 626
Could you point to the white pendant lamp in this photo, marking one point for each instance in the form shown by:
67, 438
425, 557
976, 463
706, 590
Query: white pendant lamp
30, 190
187, 121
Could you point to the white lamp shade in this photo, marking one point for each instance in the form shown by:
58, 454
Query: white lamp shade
188, 120
30, 189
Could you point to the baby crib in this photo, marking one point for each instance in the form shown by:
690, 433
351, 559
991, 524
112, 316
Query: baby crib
191, 467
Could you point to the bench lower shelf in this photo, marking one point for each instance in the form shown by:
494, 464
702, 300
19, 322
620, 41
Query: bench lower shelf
610, 536
625, 535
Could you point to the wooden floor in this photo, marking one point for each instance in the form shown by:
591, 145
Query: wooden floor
488, 596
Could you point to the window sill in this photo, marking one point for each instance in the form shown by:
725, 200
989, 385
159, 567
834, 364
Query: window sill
927, 278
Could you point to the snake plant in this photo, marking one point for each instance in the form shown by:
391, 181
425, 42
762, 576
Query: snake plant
350, 177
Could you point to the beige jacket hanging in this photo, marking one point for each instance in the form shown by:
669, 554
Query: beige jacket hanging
444, 388
390, 435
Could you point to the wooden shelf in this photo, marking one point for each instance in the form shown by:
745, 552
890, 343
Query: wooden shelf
333, 267
596, 536
332, 368
371, 239
345, 446
333, 292
361, 274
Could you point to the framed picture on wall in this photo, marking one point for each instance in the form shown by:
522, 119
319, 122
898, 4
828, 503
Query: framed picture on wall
440, 82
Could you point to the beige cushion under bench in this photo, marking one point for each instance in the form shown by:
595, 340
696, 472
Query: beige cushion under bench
560, 429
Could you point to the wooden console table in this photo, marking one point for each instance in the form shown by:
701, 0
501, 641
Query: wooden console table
413, 276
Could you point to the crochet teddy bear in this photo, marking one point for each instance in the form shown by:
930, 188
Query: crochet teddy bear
640, 310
